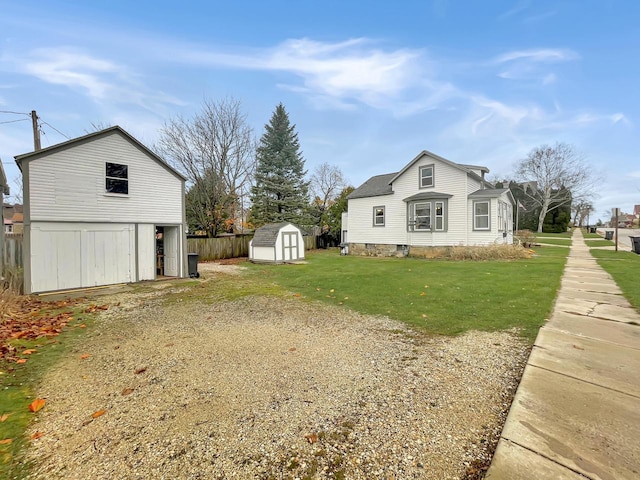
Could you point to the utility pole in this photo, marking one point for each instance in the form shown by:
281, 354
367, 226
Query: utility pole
36, 131
617, 215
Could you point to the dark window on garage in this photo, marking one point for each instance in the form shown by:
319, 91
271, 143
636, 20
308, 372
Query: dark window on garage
117, 180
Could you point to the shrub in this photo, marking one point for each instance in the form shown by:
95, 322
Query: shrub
490, 252
525, 237
12, 280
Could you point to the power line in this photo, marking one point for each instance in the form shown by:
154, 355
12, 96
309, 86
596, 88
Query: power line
15, 113
14, 121
49, 125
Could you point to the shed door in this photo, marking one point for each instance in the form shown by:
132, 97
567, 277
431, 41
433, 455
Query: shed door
290, 246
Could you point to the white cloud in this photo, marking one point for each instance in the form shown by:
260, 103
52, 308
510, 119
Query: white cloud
352, 70
635, 174
103, 81
539, 55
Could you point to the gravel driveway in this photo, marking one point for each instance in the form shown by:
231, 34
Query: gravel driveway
269, 388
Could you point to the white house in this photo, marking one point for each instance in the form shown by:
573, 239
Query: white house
99, 210
276, 243
431, 202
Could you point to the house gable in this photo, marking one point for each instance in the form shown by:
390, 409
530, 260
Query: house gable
69, 182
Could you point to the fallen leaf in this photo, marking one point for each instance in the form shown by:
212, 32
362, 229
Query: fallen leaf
340, 303
37, 404
424, 316
292, 349
127, 391
37, 435
169, 345
140, 370
22, 360
297, 295
84, 356
317, 289
29, 351
4, 417
426, 286
97, 414
422, 294
346, 298
577, 347
313, 438
82, 326
331, 291
6, 441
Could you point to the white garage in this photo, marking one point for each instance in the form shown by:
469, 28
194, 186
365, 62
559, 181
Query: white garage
99, 210
277, 243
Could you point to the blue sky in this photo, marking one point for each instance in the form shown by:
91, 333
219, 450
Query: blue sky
369, 84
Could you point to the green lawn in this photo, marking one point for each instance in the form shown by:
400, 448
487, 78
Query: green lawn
624, 267
599, 243
441, 296
554, 235
18, 383
553, 241
591, 235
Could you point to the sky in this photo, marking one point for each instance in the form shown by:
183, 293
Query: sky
368, 84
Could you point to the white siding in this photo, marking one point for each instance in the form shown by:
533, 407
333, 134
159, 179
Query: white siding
495, 235
69, 185
447, 179
262, 254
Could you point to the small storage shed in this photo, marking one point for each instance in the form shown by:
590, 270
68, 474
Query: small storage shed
277, 243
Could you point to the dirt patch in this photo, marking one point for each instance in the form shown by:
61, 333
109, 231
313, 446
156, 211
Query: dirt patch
270, 388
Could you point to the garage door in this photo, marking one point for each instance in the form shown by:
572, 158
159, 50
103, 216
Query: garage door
80, 255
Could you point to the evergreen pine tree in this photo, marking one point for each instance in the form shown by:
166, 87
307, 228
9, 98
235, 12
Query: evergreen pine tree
280, 193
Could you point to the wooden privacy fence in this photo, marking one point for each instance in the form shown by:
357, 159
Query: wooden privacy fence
13, 250
209, 249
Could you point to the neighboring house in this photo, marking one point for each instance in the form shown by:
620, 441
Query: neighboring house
277, 243
4, 190
13, 218
99, 210
431, 202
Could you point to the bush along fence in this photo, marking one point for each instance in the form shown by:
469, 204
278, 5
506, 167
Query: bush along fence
217, 248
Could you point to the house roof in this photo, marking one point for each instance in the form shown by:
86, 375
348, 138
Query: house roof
374, 187
636, 209
469, 169
492, 193
427, 196
267, 235
93, 136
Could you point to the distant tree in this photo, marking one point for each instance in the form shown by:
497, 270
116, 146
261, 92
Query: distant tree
97, 126
327, 181
560, 175
581, 210
332, 220
214, 150
281, 192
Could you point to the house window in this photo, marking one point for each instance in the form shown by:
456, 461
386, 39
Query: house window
439, 215
481, 215
117, 179
422, 216
378, 216
426, 176
428, 215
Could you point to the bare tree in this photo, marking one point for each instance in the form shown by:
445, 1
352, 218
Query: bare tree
214, 150
327, 181
581, 209
560, 174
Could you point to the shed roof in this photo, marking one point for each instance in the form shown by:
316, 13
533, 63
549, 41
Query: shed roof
90, 137
267, 235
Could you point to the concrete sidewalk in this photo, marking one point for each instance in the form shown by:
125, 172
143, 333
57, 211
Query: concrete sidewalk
576, 414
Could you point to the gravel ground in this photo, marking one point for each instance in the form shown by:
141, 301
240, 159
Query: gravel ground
270, 388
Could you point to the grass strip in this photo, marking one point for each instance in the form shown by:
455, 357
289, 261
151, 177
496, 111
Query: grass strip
624, 267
